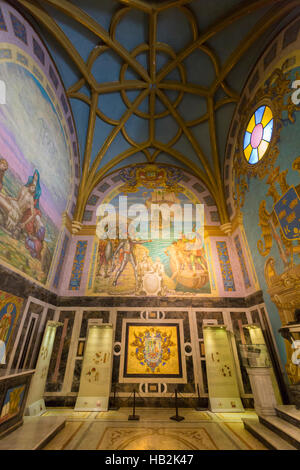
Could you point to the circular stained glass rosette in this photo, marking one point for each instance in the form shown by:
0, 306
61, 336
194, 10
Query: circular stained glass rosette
258, 135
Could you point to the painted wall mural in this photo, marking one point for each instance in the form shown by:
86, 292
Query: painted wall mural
35, 158
10, 309
35, 174
141, 266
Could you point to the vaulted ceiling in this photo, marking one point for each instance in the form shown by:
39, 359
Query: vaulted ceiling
156, 81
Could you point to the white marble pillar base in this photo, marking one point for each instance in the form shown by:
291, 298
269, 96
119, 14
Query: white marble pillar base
263, 392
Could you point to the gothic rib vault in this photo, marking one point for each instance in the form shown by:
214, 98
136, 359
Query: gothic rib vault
160, 96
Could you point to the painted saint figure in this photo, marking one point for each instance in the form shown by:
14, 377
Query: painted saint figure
28, 219
35, 179
20, 212
6, 322
105, 255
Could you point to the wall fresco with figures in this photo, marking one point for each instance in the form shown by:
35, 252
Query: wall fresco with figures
147, 266
138, 265
266, 190
36, 152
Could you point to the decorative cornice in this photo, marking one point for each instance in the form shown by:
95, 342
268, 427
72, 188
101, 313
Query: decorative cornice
67, 222
227, 228
86, 230
76, 227
90, 230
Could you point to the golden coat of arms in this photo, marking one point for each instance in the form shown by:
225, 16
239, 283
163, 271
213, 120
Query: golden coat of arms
153, 348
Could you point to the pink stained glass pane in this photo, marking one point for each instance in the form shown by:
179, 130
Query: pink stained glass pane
257, 135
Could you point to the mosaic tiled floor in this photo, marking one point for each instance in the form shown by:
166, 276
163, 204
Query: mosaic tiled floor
156, 438
147, 413
155, 431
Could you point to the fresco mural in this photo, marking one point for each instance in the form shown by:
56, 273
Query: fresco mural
267, 193
141, 266
10, 309
35, 173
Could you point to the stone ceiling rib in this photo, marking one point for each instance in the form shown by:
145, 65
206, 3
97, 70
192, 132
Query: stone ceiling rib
152, 85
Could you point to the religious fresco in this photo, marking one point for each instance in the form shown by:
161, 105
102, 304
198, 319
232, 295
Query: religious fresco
10, 308
267, 193
141, 266
152, 350
35, 173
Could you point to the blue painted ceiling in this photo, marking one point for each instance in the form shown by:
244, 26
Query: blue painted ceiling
181, 126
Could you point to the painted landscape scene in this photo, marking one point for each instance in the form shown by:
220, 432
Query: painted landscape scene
35, 174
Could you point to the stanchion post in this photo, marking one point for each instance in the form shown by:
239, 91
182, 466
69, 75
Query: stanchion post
176, 417
199, 407
114, 407
133, 417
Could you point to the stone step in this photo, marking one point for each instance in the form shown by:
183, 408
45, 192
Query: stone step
289, 413
266, 436
34, 434
285, 430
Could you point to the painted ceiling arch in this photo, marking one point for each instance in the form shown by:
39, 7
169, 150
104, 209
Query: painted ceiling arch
114, 182
156, 82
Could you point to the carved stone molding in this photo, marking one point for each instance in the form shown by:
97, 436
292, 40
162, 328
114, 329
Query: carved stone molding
76, 227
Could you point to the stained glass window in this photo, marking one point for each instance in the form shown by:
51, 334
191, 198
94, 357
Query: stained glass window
258, 134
